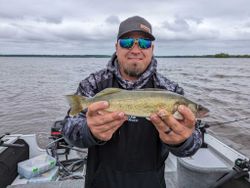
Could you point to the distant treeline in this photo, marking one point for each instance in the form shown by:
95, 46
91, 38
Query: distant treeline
61, 56
220, 55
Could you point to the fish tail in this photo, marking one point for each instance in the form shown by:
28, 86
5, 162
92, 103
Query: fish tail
77, 104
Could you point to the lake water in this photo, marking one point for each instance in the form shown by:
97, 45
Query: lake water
32, 91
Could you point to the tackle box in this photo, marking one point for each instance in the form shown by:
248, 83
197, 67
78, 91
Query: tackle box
48, 176
36, 166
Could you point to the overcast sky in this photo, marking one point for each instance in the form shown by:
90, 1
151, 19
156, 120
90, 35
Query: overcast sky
181, 27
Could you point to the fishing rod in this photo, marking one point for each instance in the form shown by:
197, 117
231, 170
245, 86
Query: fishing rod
203, 125
225, 122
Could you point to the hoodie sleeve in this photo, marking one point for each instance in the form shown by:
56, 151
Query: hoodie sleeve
75, 130
188, 147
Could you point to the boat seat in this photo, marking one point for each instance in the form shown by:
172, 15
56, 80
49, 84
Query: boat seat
200, 170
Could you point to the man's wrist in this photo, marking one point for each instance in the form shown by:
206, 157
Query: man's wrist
178, 145
97, 140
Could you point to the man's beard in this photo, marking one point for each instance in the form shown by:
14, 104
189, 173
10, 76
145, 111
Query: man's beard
133, 73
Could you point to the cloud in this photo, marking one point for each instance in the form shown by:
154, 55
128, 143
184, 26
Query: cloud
178, 25
113, 19
84, 26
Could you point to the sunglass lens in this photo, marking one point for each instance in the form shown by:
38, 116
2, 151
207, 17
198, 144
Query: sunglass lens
126, 43
144, 43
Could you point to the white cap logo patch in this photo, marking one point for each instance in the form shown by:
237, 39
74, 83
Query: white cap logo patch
145, 28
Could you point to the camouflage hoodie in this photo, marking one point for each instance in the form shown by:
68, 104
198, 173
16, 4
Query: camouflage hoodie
134, 156
75, 128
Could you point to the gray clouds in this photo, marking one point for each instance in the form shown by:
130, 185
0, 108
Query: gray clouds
90, 26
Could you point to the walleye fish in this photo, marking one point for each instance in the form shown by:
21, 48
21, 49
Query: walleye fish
140, 103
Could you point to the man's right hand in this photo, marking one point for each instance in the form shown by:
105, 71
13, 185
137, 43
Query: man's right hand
103, 124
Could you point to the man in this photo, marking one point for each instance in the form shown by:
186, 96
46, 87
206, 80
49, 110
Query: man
129, 152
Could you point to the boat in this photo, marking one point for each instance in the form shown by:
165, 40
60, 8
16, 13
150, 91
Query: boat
215, 164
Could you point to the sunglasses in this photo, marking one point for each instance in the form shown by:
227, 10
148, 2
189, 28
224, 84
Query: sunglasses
128, 43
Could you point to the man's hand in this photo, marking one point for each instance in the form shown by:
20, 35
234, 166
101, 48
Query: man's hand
103, 124
172, 131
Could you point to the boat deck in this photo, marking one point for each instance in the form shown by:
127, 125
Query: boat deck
201, 170
55, 184
170, 178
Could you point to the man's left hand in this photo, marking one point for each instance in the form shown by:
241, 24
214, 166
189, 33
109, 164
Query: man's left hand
171, 130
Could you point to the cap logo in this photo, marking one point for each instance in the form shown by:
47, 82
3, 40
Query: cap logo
145, 28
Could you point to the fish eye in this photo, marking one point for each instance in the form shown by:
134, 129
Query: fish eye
200, 107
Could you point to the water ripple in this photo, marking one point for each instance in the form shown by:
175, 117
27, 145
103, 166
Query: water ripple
32, 91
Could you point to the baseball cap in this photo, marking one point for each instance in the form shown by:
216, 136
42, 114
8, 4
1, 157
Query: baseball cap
135, 23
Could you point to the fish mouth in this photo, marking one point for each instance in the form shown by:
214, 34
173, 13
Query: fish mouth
202, 112
203, 115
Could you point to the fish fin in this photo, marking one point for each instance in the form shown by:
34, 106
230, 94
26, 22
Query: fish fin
108, 91
151, 89
77, 103
178, 116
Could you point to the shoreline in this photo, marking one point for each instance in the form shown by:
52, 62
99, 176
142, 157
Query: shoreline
108, 56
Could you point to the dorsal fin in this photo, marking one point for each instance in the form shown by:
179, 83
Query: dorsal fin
150, 89
108, 91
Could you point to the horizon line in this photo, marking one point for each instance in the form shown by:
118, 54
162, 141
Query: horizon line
103, 56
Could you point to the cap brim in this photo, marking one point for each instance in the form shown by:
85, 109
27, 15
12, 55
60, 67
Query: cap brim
149, 35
